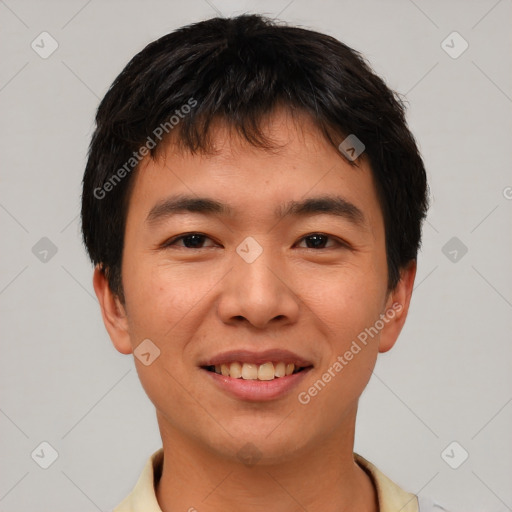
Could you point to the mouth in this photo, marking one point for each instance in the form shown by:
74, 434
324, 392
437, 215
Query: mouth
269, 370
256, 376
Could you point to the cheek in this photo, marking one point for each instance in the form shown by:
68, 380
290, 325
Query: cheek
163, 305
346, 301
347, 307
163, 299
348, 311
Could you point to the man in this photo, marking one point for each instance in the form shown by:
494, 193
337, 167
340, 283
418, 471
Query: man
252, 203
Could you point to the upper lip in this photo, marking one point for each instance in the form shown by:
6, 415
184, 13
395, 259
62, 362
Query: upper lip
250, 356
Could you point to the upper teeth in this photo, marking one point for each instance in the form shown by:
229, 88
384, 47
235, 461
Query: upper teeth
249, 371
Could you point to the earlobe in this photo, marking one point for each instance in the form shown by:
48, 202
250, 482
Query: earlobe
397, 307
113, 313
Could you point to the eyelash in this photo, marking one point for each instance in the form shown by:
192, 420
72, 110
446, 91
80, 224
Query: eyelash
172, 241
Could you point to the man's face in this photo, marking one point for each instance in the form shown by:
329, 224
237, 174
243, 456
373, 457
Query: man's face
258, 282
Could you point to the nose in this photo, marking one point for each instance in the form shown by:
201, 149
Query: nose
258, 293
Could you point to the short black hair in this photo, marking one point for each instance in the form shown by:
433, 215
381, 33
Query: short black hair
239, 70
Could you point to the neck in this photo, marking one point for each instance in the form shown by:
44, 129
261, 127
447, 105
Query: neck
321, 478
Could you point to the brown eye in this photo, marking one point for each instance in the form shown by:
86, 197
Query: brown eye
319, 241
193, 241
189, 241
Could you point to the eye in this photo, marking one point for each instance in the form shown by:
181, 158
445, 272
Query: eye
319, 241
200, 241
189, 241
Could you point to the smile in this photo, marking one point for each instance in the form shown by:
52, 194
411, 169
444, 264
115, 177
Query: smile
251, 371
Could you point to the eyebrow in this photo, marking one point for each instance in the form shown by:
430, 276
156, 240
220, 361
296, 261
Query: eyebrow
329, 205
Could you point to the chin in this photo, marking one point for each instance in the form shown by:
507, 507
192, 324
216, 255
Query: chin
251, 447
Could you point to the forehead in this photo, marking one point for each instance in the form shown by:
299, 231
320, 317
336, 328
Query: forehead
300, 162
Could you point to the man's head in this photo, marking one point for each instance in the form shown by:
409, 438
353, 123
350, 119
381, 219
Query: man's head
239, 70
242, 234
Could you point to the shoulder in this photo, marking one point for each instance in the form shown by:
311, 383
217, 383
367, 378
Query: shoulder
143, 497
391, 496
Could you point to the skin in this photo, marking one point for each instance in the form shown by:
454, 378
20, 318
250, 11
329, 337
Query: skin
198, 302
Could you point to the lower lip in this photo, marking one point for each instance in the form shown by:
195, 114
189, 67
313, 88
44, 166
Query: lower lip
258, 390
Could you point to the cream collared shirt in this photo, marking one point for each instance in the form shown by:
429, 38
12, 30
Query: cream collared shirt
391, 497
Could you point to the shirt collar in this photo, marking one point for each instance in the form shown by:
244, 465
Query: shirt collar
390, 496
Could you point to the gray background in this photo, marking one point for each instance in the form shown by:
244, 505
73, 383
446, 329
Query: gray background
448, 378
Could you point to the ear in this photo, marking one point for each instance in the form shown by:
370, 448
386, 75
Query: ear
397, 307
113, 312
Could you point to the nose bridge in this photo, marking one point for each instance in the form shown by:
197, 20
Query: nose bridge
257, 289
